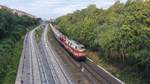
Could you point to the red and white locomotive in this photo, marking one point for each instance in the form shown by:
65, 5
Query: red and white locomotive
75, 48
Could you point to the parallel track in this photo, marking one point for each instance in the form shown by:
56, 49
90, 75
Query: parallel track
91, 71
26, 62
31, 68
40, 64
55, 63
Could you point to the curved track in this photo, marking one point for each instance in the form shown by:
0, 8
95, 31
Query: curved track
41, 63
58, 73
37, 65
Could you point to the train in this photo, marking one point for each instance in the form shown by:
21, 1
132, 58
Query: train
75, 48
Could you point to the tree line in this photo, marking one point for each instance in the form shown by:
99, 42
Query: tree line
121, 33
12, 31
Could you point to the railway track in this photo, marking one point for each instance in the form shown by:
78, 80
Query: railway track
59, 75
32, 63
41, 68
25, 73
99, 74
107, 78
23, 63
94, 73
31, 68
86, 68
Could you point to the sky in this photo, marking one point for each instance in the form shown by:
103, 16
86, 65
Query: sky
54, 8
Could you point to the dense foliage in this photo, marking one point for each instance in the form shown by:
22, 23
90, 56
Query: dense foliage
12, 29
121, 32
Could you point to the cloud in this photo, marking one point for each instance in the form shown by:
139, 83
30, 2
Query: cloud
54, 8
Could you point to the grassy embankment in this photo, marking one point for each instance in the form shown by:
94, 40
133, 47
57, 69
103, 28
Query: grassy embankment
120, 35
13, 55
38, 34
120, 71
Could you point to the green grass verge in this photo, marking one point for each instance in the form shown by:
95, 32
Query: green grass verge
38, 34
119, 71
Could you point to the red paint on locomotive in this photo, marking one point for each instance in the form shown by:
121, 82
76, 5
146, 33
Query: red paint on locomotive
72, 46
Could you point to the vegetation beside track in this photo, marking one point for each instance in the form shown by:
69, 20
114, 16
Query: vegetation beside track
118, 70
38, 34
12, 31
120, 33
13, 55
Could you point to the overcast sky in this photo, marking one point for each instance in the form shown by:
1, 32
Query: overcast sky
54, 8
